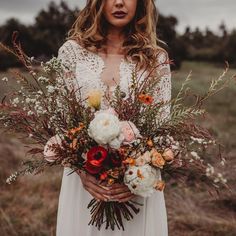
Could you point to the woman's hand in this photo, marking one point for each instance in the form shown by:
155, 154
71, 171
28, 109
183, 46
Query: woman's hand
121, 193
91, 184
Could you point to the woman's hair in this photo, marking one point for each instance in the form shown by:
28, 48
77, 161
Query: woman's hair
140, 45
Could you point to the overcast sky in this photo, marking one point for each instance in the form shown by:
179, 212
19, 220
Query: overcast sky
201, 13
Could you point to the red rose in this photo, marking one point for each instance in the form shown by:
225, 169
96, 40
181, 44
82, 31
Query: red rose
95, 158
92, 169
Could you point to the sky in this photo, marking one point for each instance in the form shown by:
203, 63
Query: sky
193, 13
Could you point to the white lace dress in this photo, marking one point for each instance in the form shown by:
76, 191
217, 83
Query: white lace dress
73, 215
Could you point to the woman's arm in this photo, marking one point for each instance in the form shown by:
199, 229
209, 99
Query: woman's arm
163, 91
68, 53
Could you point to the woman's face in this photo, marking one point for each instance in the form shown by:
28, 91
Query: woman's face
119, 12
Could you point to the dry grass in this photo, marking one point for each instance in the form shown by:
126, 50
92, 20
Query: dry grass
28, 207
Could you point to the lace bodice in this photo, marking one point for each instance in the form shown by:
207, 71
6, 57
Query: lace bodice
87, 67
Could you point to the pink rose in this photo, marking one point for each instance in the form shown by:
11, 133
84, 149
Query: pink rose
49, 153
129, 131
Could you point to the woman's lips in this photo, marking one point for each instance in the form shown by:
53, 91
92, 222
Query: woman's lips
119, 15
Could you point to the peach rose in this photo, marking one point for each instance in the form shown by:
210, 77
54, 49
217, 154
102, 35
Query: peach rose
143, 159
157, 159
168, 154
129, 131
49, 153
159, 185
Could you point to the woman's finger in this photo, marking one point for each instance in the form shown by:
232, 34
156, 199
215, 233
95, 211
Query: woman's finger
91, 178
98, 189
126, 199
119, 190
122, 195
97, 195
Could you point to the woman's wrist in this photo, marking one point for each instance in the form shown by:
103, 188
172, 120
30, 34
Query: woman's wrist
79, 172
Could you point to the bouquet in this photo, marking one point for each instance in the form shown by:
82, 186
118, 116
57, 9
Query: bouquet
129, 142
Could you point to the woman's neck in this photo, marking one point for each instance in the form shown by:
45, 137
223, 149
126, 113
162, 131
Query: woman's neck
115, 39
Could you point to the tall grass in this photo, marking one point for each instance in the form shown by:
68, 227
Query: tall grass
28, 207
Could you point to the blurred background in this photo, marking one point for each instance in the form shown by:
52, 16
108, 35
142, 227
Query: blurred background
200, 36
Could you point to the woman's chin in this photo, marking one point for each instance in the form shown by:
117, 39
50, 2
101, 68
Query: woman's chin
120, 23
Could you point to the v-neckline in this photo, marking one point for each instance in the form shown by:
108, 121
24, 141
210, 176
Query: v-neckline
103, 66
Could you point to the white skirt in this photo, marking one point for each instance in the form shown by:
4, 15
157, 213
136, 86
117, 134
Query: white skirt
73, 216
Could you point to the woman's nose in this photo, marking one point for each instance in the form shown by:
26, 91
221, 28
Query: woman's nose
119, 3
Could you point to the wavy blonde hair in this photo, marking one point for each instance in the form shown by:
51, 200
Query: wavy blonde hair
141, 42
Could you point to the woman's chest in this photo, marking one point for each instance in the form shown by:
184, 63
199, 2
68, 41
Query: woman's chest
96, 73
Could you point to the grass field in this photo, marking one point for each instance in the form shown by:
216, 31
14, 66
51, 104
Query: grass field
28, 207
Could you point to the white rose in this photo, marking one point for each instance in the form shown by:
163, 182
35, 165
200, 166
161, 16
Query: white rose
105, 129
142, 179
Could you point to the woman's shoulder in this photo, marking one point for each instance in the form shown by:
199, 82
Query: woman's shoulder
69, 47
162, 56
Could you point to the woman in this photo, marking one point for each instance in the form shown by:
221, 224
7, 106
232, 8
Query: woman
109, 39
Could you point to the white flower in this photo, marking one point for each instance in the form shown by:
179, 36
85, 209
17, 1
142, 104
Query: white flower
105, 129
210, 170
195, 155
50, 88
223, 162
12, 178
43, 79
141, 180
5, 79
15, 101
29, 113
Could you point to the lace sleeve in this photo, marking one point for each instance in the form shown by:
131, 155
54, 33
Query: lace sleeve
164, 86
68, 56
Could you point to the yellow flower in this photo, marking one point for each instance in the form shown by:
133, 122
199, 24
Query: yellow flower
159, 185
94, 98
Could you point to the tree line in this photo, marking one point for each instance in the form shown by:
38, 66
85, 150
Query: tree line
43, 38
